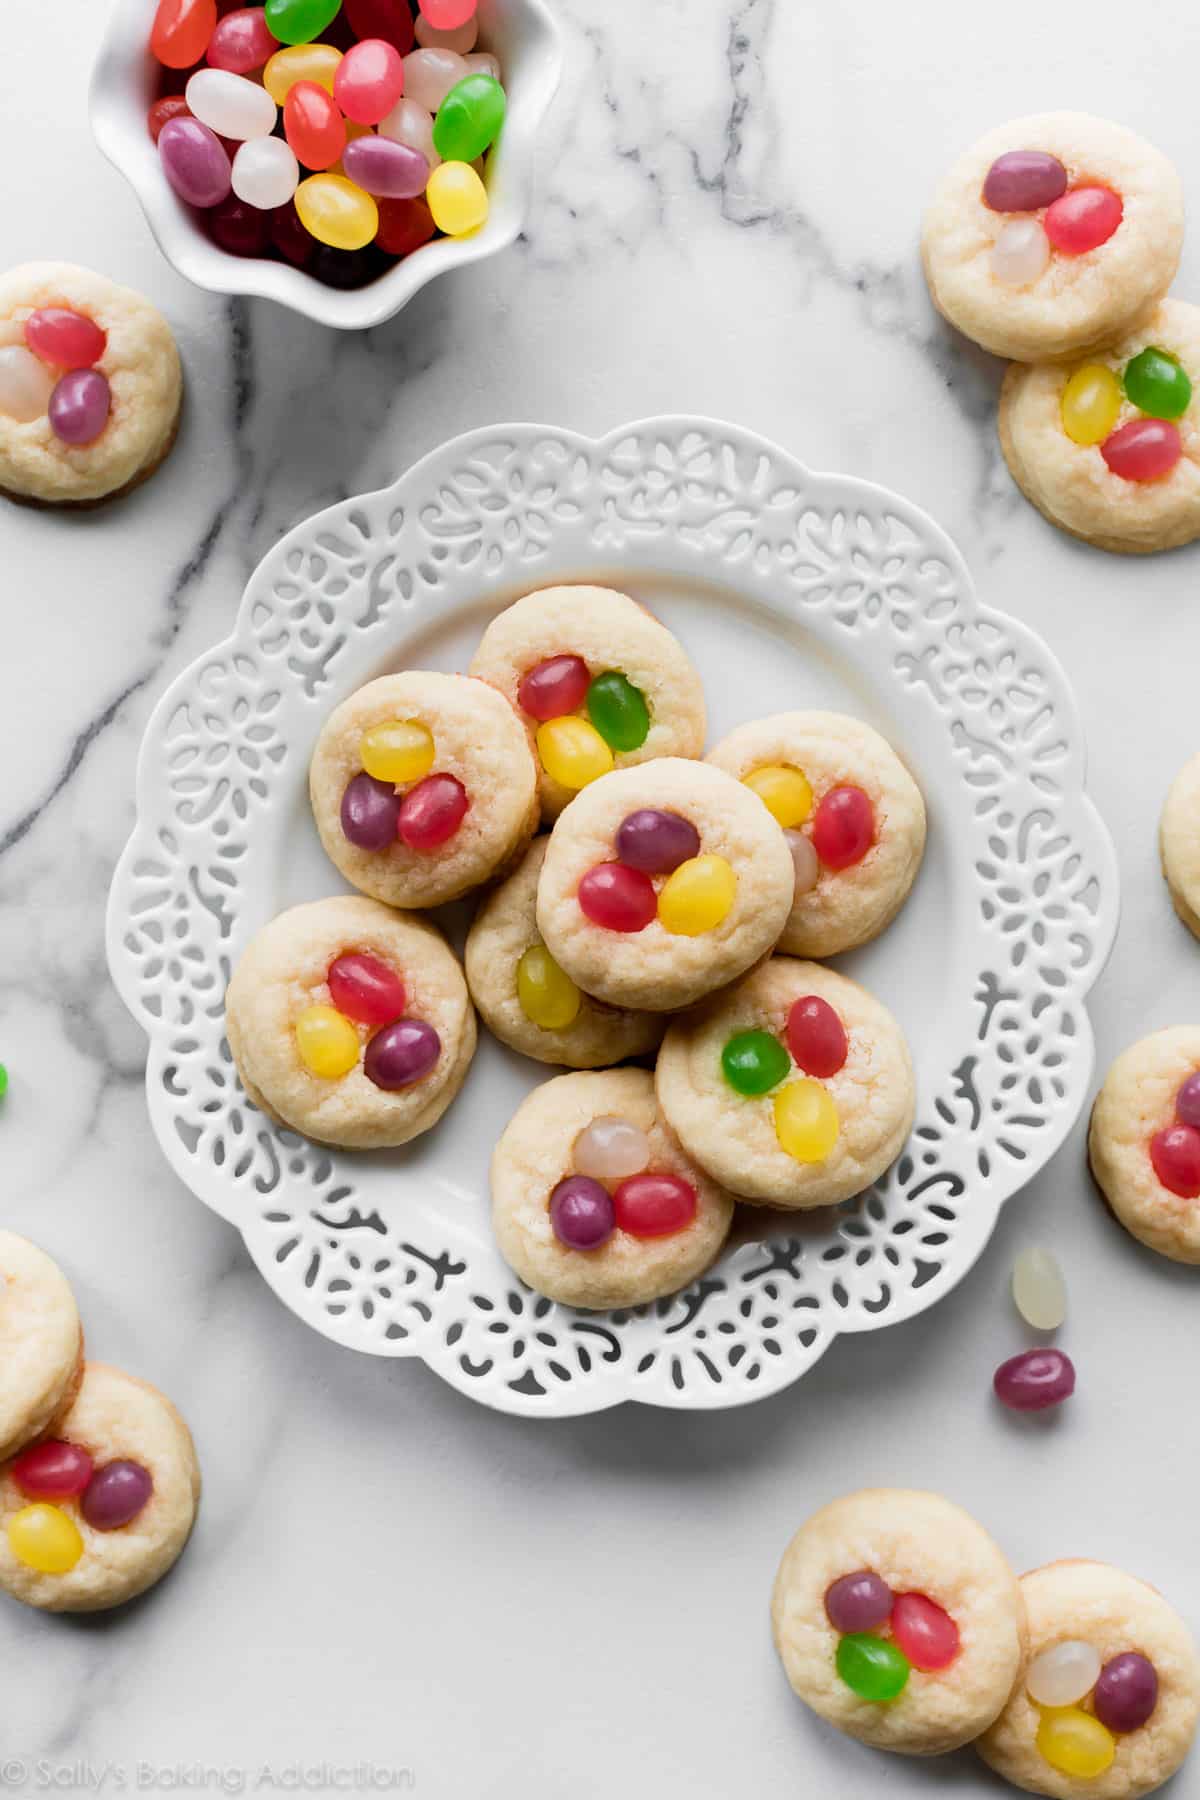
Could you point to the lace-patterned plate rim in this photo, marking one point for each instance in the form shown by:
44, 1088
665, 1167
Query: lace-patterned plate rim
979, 701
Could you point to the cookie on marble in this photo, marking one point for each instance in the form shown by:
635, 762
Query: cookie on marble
662, 883
423, 787
794, 1088
898, 1620
1107, 446
596, 682
1052, 235
851, 812
1179, 844
99, 1513
1144, 1141
91, 386
41, 1342
1107, 1705
525, 998
594, 1203
350, 1023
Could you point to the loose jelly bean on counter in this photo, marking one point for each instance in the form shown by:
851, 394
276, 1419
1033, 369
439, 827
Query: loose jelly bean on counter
1143, 450
617, 898
1083, 219
430, 74
386, 169
59, 335
181, 31
656, 841
370, 813
448, 15
858, 1602
265, 173
753, 1062
171, 106
806, 864
404, 225
1064, 1674
326, 1042
1187, 1101
1126, 1692
231, 105
240, 229
1039, 1291
316, 131
242, 42
78, 408
572, 752
45, 1538
547, 995
194, 161
1034, 1380
365, 989
410, 124
1158, 384
401, 1054
317, 63
581, 1213
698, 897
462, 39
26, 384
784, 791
299, 21
871, 1667
806, 1121
1175, 1155
397, 750
387, 19
925, 1632
816, 1036
843, 827
616, 708
52, 1471
611, 1149
469, 119
432, 812
116, 1494
1075, 1743
652, 1206
553, 687
1091, 404
1020, 253
1024, 181
369, 81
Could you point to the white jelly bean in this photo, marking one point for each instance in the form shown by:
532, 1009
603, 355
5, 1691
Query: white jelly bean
411, 124
611, 1149
265, 173
805, 861
26, 384
482, 62
1039, 1290
1020, 252
1062, 1676
231, 105
462, 38
430, 74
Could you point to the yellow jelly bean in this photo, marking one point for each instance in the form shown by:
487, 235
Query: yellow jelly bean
45, 1538
548, 997
399, 750
300, 62
336, 212
457, 199
784, 791
1075, 1743
1091, 401
327, 1042
572, 751
806, 1121
697, 896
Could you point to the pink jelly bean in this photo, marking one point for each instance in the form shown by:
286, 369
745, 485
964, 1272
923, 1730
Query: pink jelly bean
242, 41
369, 81
78, 408
63, 337
1083, 219
381, 166
194, 162
448, 15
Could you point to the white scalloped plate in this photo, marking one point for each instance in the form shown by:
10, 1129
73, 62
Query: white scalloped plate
789, 589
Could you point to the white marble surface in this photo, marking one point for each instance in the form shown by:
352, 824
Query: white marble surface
385, 1574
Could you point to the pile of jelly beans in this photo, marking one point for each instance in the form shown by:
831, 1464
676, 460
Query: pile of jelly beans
613, 1188
696, 896
547, 995
754, 1062
921, 1635
400, 753
1142, 449
45, 1537
1070, 220
575, 750
1175, 1152
841, 829
1123, 1694
53, 375
364, 991
336, 135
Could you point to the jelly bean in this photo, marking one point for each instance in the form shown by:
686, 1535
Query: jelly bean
194, 161
843, 828
548, 997
1143, 450
336, 212
345, 268
1083, 219
3, 1091
369, 81
181, 31
447, 15
656, 841
326, 1043
616, 708
783, 790
116, 1494
653, 1206
1187, 1101
1175, 1154
612, 1149
381, 166
806, 864
753, 1062
404, 225
316, 130
871, 1667
59, 335
1158, 384
1038, 1289
1035, 1379
398, 750
925, 1632
806, 1121
238, 228
1024, 181
242, 41
430, 74
1126, 1691
858, 1602
401, 1054
469, 119
1020, 253
457, 199
171, 106
45, 1538
231, 105
482, 62
365, 989
816, 1037
317, 63
1091, 402
617, 898
698, 897
1075, 1744
298, 247
390, 20
78, 408
462, 39
553, 687
370, 813
300, 21
1063, 1675
572, 752
581, 1213
432, 812
52, 1470
265, 173
410, 124
26, 384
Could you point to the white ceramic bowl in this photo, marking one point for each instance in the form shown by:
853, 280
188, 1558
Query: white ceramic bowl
523, 34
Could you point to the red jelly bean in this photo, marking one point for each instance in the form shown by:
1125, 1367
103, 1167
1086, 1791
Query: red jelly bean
240, 229
364, 988
554, 688
1175, 1154
924, 1631
432, 812
63, 337
843, 827
289, 237
369, 81
390, 20
816, 1037
171, 106
1143, 450
242, 41
52, 1471
1083, 219
404, 225
313, 125
181, 30
650, 1206
618, 898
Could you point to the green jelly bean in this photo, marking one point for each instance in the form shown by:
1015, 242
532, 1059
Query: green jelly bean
469, 119
753, 1062
300, 21
1158, 384
618, 710
874, 1668
3, 1081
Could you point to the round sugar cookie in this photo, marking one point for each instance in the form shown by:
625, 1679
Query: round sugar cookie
139, 361
525, 998
1052, 235
1125, 1685
794, 1088
833, 782
423, 787
905, 1594
350, 1023
103, 1545
597, 684
1179, 844
638, 1220
1144, 1141
41, 1342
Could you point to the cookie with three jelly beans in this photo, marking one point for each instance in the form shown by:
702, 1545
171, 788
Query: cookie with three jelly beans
350, 1023
594, 1203
852, 814
1053, 235
1144, 1141
1109, 1696
1106, 445
41, 1342
597, 682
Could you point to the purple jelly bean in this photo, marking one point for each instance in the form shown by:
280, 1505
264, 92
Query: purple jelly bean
115, 1495
194, 162
79, 406
370, 812
859, 1602
1023, 181
401, 1053
1035, 1379
1187, 1101
581, 1213
382, 166
656, 842
1126, 1692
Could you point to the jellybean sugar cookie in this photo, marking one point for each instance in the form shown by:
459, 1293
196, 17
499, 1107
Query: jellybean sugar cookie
1144, 1141
1107, 1705
1052, 235
41, 1342
1179, 844
852, 815
898, 1620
